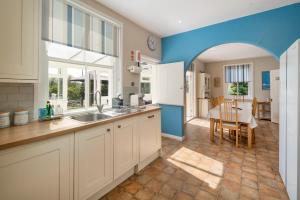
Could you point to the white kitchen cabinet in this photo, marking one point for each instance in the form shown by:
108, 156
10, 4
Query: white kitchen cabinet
125, 146
203, 107
93, 160
150, 134
41, 170
203, 85
19, 21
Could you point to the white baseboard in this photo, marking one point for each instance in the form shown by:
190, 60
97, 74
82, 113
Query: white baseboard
173, 137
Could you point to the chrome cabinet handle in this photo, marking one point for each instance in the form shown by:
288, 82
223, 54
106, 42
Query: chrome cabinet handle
151, 116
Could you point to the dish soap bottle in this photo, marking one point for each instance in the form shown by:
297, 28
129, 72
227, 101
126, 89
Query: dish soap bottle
48, 110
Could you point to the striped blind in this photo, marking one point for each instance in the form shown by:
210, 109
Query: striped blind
237, 73
68, 25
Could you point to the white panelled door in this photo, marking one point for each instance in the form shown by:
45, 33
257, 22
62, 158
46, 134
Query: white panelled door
274, 82
282, 118
292, 121
168, 84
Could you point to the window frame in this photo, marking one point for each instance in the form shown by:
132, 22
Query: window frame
41, 89
250, 83
149, 61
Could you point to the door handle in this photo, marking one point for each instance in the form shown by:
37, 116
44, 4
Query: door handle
151, 116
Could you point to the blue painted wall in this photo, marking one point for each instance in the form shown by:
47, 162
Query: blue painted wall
273, 30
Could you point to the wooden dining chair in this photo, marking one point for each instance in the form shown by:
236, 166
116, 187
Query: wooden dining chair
254, 106
214, 102
229, 119
220, 99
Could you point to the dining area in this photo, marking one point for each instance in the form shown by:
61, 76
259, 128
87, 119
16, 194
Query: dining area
234, 118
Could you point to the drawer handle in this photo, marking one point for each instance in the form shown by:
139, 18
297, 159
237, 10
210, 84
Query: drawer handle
151, 116
108, 130
119, 126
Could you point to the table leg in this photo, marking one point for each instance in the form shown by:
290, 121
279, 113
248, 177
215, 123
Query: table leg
212, 129
250, 137
258, 111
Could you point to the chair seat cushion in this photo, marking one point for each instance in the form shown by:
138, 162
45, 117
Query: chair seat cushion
230, 124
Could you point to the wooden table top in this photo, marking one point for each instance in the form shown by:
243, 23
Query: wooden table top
37, 131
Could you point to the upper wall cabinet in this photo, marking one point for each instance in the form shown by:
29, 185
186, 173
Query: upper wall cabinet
19, 22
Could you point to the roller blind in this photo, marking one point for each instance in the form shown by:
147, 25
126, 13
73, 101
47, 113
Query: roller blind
237, 73
68, 25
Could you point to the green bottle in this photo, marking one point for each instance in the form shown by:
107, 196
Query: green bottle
48, 110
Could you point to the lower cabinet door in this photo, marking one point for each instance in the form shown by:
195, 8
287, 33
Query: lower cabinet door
150, 134
93, 160
125, 146
41, 170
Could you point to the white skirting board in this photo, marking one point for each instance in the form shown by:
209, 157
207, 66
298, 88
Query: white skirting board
173, 137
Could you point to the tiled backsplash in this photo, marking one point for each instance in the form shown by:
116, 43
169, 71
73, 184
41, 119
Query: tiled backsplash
15, 96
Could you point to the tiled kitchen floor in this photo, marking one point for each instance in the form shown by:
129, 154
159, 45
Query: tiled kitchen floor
198, 169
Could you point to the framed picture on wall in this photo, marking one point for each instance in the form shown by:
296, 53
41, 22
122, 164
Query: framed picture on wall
265, 77
217, 82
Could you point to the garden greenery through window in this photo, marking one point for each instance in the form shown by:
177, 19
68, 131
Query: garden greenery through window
238, 80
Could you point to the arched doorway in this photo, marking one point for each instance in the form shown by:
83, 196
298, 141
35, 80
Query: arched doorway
205, 77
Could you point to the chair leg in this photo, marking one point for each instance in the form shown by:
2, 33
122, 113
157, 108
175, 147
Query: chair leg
221, 135
253, 136
237, 138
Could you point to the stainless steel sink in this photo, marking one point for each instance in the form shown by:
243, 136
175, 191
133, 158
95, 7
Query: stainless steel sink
90, 117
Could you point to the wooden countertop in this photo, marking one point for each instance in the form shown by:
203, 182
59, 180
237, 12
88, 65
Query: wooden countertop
36, 131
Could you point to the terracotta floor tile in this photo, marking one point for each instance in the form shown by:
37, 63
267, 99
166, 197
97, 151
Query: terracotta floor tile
159, 197
175, 183
231, 185
143, 179
183, 196
232, 177
250, 176
120, 196
162, 177
190, 189
201, 195
168, 191
226, 194
133, 187
249, 183
249, 192
144, 194
154, 185
265, 190
169, 170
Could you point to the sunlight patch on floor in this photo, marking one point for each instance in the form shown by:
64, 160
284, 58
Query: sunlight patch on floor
200, 122
200, 166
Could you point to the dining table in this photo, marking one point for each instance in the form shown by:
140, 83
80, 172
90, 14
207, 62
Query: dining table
244, 117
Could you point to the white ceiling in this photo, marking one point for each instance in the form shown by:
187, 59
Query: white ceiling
232, 51
163, 17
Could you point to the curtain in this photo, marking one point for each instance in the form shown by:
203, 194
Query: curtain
65, 24
237, 73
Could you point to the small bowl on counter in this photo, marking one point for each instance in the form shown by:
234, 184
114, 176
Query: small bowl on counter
21, 117
4, 120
